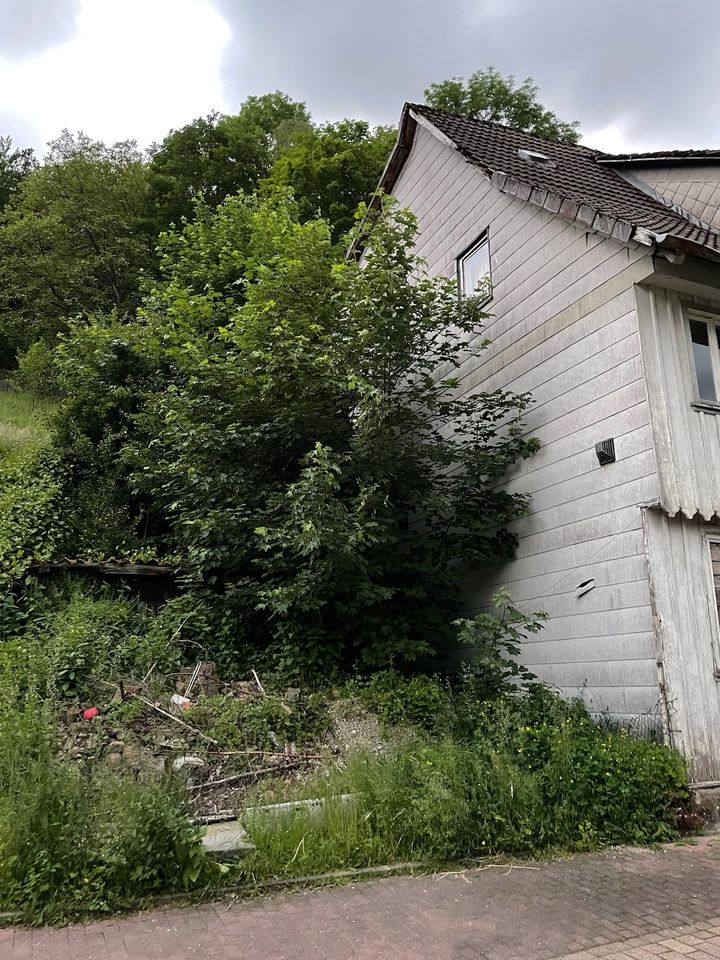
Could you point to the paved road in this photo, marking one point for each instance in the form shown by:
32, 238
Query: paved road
620, 905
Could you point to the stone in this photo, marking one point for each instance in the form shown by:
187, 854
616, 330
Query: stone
189, 764
275, 811
227, 841
132, 756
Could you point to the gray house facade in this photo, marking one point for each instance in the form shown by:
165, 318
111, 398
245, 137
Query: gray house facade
604, 276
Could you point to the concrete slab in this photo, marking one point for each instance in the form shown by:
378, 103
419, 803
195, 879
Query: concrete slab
227, 841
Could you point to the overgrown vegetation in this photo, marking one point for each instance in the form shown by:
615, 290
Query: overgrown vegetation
272, 422
201, 378
461, 775
537, 776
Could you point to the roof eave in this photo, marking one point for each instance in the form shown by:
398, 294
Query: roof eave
388, 178
663, 160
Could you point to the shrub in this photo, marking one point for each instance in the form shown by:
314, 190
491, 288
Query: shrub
37, 372
266, 723
421, 700
72, 843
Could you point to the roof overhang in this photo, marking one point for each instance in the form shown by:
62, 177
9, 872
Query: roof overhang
585, 216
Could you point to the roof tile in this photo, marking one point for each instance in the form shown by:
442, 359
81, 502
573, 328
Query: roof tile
575, 175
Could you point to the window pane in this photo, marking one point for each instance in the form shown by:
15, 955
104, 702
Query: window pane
475, 271
703, 360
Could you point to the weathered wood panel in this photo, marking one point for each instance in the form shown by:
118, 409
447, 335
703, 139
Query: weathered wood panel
687, 437
689, 643
564, 327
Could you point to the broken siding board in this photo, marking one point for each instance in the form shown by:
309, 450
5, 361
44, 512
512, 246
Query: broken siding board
533, 589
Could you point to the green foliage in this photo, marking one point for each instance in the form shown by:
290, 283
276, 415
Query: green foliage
30, 508
279, 429
493, 641
81, 632
487, 95
15, 165
528, 783
37, 373
72, 844
217, 156
72, 240
23, 423
267, 723
333, 168
397, 700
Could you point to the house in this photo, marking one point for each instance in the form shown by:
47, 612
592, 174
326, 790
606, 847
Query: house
605, 305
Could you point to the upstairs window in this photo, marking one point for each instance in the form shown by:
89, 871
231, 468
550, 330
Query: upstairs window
705, 341
473, 268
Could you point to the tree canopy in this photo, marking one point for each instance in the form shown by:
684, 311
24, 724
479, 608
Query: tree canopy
488, 95
73, 239
15, 165
219, 155
332, 167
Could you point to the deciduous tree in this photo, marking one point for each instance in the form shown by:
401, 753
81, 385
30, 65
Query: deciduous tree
488, 95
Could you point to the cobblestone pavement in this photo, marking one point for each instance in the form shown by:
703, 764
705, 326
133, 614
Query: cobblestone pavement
620, 905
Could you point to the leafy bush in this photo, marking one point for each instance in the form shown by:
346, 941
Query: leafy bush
272, 419
266, 723
493, 642
420, 700
79, 634
37, 373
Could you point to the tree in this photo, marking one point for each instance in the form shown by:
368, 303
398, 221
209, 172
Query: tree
218, 155
288, 441
487, 95
333, 168
73, 240
15, 165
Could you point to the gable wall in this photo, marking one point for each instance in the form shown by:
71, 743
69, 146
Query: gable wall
696, 188
564, 328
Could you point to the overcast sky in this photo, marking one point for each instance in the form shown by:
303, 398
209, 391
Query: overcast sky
638, 74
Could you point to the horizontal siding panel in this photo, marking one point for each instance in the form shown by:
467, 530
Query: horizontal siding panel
616, 649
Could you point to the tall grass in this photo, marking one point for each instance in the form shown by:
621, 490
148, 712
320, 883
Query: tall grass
519, 787
23, 421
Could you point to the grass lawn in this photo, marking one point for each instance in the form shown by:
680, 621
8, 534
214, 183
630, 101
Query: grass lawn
22, 421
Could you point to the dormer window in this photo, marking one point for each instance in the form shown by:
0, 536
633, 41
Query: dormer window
473, 268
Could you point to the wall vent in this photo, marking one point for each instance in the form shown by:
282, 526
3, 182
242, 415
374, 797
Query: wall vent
605, 452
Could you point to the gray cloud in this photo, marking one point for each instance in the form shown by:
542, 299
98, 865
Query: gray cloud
28, 26
650, 64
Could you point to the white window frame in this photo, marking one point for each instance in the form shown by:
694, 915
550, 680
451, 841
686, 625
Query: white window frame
713, 323
482, 241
